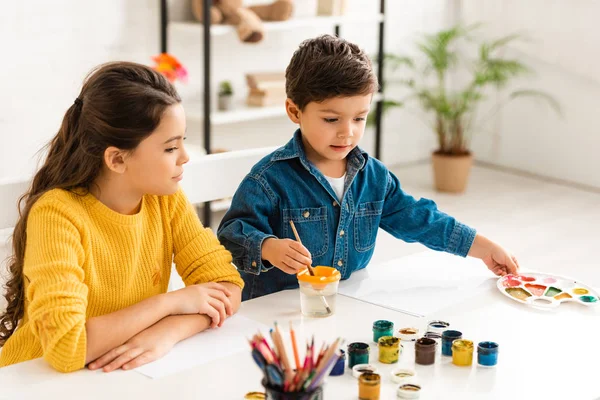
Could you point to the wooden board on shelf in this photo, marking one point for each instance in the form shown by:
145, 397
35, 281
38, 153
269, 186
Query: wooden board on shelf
294, 23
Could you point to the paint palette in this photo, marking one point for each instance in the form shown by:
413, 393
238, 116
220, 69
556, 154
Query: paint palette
546, 291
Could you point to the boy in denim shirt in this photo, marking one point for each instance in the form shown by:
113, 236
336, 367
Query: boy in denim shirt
334, 192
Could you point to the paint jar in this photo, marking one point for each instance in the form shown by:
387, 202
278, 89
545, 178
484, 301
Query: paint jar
318, 292
382, 328
408, 334
403, 375
338, 368
277, 393
437, 326
448, 337
425, 351
389, 349
358, 353
408, 391
369, 386
462, 352
487, 354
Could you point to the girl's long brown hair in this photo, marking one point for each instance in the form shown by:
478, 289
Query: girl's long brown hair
120, 104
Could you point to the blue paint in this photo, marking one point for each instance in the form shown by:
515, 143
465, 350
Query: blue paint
338, 368
447, 338
358, 353
382, 328
487, 353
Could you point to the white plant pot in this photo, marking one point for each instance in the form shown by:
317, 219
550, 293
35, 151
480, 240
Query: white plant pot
225, 102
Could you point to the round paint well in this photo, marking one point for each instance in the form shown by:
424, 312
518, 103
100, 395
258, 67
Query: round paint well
588, 299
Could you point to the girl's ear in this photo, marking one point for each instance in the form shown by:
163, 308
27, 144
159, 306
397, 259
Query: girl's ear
293, 111
115, 159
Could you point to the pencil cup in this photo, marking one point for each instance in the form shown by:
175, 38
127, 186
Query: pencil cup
319, 291
277, 393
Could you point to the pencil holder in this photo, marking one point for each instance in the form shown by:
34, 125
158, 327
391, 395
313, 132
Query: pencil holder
277, 393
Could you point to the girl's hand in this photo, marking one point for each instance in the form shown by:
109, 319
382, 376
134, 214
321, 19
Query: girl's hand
286, 254
211, 299
147, 346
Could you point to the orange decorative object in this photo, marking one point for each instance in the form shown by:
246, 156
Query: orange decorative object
170, 67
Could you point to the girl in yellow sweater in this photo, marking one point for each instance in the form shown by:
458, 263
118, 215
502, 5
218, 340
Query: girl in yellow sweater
100, 227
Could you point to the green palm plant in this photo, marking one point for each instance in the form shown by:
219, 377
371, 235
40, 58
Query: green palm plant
453, 110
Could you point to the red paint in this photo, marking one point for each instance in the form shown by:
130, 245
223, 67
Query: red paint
537, 290
527, 278
510, 281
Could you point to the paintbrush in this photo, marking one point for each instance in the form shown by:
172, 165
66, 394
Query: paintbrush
310, 268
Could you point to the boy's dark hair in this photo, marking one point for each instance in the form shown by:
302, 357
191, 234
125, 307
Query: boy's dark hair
326, 67
120, 104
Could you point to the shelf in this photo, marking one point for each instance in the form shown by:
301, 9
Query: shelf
242, 112
193, 27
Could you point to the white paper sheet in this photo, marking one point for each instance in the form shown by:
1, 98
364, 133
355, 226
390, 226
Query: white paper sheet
420, 284
205, 347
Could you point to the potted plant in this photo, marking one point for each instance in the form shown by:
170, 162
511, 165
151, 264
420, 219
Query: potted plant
451, 110
225, 95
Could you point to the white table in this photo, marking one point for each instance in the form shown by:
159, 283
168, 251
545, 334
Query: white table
543, 355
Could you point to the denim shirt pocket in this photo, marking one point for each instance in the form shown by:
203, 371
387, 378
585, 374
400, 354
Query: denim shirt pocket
311, 224
366, 223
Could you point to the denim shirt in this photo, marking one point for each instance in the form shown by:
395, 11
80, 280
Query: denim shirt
285, 186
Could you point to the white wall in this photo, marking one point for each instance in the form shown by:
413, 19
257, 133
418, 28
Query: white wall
52, 45
564, 53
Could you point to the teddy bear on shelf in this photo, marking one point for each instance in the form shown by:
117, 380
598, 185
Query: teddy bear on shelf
247, 20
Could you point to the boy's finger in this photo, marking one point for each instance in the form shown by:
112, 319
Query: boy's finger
511, 266
303, 260
287, 269
300, 249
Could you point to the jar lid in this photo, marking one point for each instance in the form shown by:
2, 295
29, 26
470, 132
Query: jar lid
408, 334
322, 275
437, 326
403, 375
359, 369
408, 391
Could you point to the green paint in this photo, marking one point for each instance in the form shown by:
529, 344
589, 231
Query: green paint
588, 299
552, 291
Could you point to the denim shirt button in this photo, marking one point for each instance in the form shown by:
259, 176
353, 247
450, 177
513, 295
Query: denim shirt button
340, 263
342, 232
254, 263
306, 214
335, 203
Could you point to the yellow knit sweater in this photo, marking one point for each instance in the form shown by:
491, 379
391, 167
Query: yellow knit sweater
83, 260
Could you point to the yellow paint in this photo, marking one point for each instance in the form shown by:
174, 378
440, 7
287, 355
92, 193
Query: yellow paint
580, 291
462, 352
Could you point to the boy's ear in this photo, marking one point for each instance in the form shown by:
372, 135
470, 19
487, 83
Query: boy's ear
293, 111
114, 159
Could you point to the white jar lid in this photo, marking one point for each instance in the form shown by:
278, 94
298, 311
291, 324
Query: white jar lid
403, 375
408, 334
408, 391
359, 369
